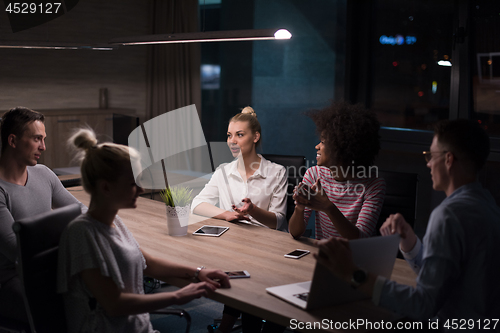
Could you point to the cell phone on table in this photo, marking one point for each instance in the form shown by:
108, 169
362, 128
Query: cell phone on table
210, 230
296, 254
238, 274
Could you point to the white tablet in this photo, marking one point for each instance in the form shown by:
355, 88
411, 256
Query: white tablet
210, 230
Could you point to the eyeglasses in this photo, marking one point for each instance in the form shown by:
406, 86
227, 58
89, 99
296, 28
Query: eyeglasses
428, 154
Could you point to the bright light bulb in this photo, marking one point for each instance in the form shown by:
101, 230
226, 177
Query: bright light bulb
444, 63
282, 34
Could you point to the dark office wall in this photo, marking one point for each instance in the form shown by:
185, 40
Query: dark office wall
296, 75
280, 79
235, 61
48, 79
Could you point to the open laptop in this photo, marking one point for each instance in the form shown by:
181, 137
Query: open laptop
376, 255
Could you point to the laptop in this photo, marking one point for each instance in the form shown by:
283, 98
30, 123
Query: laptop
376, 255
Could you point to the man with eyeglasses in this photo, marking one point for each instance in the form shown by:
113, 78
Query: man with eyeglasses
457, 263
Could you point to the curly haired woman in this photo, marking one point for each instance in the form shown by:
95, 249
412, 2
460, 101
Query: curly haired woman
344, 188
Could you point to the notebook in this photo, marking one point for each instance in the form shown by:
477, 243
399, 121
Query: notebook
376, 255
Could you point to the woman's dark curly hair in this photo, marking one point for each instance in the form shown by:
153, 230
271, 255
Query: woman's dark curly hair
350, 133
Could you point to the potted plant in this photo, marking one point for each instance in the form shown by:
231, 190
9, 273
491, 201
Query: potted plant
178, 201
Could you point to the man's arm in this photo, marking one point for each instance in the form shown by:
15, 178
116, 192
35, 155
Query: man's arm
435, 281
60, 196
7, 237
396, 224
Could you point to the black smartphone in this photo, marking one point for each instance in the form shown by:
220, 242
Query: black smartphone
296, 254
238, 274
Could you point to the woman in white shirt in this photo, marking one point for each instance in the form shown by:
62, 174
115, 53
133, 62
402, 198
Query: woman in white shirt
249, 188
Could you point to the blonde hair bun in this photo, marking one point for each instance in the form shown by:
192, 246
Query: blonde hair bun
100, 161
249, 110
83, 138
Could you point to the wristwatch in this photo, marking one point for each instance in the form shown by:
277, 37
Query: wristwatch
197, 273
358, 277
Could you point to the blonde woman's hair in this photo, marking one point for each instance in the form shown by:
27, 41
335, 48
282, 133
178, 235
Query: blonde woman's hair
248, 114
99, 161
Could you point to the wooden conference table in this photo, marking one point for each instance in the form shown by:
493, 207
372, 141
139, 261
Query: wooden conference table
245, 247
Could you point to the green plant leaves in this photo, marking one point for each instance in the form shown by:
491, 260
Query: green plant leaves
177, 196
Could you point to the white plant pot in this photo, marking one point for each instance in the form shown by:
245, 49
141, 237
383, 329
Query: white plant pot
177, 220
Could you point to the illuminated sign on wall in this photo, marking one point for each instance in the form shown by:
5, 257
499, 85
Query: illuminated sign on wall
397, 40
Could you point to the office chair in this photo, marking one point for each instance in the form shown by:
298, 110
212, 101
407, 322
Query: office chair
176, 312
71, 182
295, 167
38, 246
150, 285
12, 326
400, 196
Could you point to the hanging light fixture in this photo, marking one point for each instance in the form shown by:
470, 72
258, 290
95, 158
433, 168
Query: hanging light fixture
445, 63
208, 36
52, 45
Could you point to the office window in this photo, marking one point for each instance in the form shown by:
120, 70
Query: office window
486, 64
210, 77
410, 58
280, 79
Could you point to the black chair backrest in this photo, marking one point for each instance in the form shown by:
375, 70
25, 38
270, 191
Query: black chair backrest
38, 245
296, 168
71, 182
400, 196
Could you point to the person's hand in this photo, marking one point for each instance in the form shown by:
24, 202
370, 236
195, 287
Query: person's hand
315, 198
216, 277
336, 255
192, 291
247, 207
231, 216
302, 188
396, 224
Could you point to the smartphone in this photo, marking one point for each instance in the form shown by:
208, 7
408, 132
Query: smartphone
210, 230
297, 254
238, 274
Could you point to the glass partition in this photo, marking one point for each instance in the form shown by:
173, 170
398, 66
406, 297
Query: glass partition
410, 59
486, 67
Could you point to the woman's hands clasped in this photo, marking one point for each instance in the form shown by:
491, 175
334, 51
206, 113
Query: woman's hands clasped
313, 197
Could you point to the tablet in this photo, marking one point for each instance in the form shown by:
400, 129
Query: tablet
210, 230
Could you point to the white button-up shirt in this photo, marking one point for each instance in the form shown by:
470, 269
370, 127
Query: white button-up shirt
266, 188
